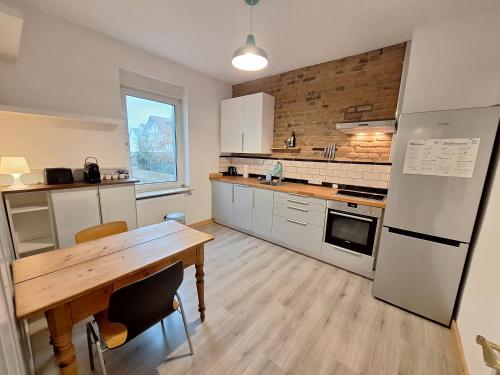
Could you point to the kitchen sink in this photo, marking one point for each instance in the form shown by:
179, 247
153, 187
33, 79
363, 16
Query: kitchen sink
272, 183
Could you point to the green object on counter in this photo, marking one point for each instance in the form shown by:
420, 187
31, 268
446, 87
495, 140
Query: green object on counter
277, 170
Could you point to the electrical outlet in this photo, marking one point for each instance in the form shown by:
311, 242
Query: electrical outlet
315, 181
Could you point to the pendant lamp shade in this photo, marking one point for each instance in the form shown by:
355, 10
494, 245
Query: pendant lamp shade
250, 57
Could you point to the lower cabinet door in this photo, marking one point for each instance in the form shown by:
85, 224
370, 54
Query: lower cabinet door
118, 203
262, 213
243, 206
74, 210
222, 202
300, 236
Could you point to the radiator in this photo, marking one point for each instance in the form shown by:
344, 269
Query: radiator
152, 210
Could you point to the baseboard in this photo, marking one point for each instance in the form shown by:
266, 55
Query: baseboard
201, 223
458, 347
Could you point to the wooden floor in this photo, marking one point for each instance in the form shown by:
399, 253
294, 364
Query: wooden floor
273, 311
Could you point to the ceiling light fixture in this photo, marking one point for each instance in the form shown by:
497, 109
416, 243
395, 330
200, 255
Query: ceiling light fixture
250, 57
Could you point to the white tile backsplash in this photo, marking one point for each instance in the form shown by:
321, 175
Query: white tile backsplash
347, 167
372, 175
382, 168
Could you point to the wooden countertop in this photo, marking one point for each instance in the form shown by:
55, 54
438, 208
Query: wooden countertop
74, 185
314, 191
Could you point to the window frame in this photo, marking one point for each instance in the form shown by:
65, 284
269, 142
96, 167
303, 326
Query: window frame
179, 136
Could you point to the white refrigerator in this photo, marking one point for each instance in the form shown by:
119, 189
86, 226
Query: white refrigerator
439, 171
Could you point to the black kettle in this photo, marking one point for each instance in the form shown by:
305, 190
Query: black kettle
91, 172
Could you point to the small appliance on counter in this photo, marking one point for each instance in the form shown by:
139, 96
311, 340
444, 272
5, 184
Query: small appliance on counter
231, 171
91, 172
54, 176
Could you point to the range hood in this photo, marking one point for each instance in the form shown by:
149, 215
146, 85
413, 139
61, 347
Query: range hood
367, 127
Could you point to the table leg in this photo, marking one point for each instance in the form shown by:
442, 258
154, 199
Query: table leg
200, 281
61, 331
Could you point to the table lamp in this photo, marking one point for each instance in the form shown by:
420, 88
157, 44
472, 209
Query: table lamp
15, 166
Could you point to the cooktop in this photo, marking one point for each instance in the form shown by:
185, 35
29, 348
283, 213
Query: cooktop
361, 194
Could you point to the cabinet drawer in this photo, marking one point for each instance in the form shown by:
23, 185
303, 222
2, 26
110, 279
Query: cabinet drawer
188, 258
358, 263
306, 214
298, 235
298, 199
139, 275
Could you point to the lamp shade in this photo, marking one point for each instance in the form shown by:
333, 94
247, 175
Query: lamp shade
14, 164
250, 57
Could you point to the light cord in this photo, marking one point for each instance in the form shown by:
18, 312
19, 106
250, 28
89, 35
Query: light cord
251, 18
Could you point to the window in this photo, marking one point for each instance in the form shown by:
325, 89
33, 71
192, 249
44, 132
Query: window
153, 137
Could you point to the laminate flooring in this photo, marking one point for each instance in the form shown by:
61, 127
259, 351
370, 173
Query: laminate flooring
274, 311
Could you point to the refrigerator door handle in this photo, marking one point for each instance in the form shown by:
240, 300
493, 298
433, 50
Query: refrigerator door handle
426, 237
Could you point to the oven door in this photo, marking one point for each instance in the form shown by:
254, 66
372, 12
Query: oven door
351, 231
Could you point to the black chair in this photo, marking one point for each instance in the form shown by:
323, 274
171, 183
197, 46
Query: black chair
135, 308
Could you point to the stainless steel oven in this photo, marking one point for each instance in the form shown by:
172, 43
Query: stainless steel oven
352, 227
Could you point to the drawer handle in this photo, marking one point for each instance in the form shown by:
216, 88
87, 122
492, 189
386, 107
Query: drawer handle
355, 217
298, 208
298, 195
244, 186
299, 202
296, 222
347, 251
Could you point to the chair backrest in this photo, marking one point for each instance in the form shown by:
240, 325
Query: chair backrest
100, 231
144, 303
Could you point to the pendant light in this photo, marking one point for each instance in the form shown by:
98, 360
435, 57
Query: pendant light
250, 57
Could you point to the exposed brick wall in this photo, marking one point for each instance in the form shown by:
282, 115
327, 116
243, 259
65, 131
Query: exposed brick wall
311, 100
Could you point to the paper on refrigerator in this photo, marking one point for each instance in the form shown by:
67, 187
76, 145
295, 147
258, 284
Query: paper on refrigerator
452, 157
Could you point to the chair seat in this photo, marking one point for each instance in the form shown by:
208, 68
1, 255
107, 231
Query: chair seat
115, 334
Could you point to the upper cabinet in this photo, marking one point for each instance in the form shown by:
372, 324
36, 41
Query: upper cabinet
247, 124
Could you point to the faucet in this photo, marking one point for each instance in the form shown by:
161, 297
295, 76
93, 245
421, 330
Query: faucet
278, 171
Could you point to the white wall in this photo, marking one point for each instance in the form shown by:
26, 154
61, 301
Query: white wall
456, 65
48, 142
65, 68
479, 311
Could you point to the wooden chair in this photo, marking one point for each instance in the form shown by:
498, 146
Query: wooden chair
100, 231
135, 308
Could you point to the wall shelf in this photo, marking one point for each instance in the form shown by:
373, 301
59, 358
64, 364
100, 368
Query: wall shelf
36, 244
287, 149
22, 209
30, 221
60, 115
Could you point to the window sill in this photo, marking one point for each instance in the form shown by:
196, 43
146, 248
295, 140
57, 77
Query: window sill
160, 193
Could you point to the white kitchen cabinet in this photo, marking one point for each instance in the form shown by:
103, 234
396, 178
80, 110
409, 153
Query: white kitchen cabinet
290, 220
222, 202
243, 205
74, 210
298, 222
262, 213
298, 235
247, 124
231, 131
118, 203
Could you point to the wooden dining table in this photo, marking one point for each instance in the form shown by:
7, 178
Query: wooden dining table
72, 284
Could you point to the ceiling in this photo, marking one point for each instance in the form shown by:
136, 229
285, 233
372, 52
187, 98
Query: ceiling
295, 33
